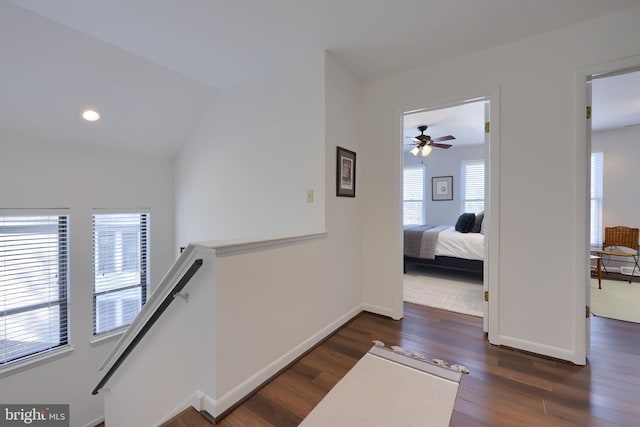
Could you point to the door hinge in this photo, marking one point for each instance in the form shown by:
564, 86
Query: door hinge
486, 296
588, 111
588, 312
487, 127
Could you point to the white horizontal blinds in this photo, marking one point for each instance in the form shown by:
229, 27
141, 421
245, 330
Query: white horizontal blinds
597, 162
120, 255
33, 284
473, 186
413, 189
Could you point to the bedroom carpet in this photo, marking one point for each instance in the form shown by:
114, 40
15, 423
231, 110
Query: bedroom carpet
616, 300
460, 294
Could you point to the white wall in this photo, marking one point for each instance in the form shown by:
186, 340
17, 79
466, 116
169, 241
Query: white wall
342, 118
293, 119
80, 180
445, 163
540, 162
621, 155
247, 168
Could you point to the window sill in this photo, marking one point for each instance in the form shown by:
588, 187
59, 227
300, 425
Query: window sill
107, 336
35, 360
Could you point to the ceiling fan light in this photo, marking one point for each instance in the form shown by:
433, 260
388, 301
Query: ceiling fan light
415, 151
426, 150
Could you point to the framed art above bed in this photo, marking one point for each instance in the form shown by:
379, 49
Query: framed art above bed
442, 188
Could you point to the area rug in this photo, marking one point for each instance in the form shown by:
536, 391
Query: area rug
387, 388
616, 300
444, 293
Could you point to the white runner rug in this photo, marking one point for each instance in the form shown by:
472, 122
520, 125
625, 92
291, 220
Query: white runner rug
389, 389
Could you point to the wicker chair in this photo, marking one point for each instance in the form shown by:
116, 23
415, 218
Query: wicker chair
620, 237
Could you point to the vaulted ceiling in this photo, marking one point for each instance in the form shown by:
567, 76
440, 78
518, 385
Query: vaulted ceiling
153, 67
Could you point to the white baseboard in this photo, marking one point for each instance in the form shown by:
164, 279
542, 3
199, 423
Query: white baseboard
95, 422
375, 309
217, 407
537, 348
194, 400
207, 404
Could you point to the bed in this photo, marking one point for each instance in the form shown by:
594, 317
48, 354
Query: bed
443, 246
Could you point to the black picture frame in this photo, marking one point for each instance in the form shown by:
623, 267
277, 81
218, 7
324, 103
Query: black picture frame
442, 188
345, 172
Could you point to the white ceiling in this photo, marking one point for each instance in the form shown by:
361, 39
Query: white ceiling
152, 66
465, 122
615, 101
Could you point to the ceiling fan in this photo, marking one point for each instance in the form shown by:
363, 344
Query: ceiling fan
423, 143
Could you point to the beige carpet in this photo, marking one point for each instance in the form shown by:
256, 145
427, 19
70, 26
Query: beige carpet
387, 389
616, 300
457, 293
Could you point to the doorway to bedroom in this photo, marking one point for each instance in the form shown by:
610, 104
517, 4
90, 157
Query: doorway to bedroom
443, 206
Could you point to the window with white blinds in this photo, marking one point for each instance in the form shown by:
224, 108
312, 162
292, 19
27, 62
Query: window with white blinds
596, 198
33, 283
120, 261
413, 199
472, 183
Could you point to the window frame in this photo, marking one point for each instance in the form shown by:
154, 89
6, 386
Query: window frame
594, 186
464, 164
143, 272
62, 278
423, 201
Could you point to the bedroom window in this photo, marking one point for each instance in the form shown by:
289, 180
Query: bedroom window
596, 198
472, 174
413, 199
120, 260
33, 283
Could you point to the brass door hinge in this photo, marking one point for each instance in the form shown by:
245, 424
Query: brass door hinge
486, 296
588, 312
487, 127
588, 111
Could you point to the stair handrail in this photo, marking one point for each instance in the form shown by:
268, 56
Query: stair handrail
175, 291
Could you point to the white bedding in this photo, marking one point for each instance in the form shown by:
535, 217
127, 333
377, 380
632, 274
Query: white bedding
452, 243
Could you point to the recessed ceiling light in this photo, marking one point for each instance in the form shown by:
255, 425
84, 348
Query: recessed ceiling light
90, 114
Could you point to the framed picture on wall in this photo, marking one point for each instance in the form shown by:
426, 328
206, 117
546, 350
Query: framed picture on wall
442, 188
345, 173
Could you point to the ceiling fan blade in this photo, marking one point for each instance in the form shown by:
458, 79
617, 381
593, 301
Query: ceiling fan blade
444, 138
435, 144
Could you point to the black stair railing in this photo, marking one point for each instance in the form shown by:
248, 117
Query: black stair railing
147, 326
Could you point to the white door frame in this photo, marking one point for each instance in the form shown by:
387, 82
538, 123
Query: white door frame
492, 194
582, 244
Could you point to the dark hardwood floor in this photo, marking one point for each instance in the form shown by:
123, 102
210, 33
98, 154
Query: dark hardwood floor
505, 387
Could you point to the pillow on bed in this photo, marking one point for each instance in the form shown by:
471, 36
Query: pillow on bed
478, 224
466, 222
